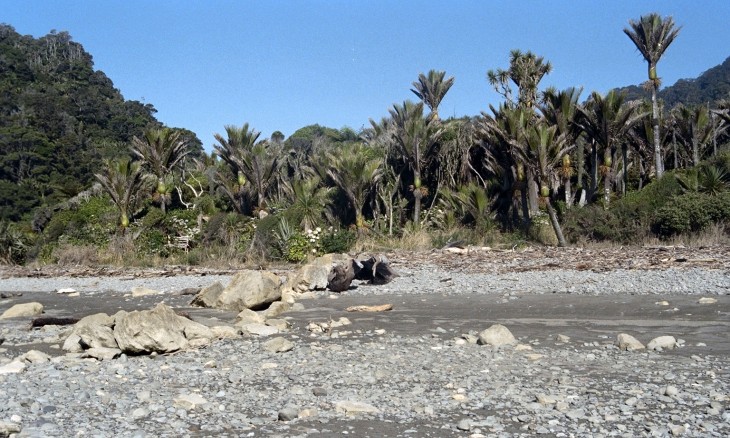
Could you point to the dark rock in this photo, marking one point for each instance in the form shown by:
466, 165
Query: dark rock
341, 276
375, 270
50, 320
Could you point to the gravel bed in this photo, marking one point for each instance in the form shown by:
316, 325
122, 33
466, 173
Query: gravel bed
380, 383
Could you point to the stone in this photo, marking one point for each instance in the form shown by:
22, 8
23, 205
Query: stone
141, 291
671, 391
562, 338
464, 425
662, 343
13, 367
629, 343
208, 296
158, 330
277, 308
8, 428
375, 270
340, 276
281, 324
259, 329
95, 336
225, 332
355, 407
65, 290
23, 310
278, 345
288, 413
314, 275
189, 401
102, 353
34, 356
707, 300
497, 335
248, 316
247, 290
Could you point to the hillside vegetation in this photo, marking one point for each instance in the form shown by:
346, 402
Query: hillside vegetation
89, 177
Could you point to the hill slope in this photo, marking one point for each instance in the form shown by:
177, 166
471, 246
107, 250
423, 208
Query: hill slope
710, 86
59, 118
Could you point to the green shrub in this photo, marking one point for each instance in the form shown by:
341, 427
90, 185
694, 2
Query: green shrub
692, 212
90, 223
337, 241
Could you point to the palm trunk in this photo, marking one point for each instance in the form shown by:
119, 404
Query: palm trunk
556, 224
594, 172
417, 195
625, 159
655, 122
674, 149
568, 193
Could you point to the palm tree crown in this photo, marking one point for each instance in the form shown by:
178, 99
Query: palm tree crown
431, 90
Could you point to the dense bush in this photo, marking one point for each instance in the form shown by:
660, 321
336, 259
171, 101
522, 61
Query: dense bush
89, 223
692, 212
627, 220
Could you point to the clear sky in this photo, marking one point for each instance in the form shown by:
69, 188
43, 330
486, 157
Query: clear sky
282, 65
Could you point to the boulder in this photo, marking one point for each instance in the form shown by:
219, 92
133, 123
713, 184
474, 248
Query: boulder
662, 343
341, 276
13, 367
93, 331
259, 329
277, 308
497, 335
248, 316
225, 331
247, 290
355, 407
628, 342
278, 345
34, 356
102, 353
208, 296
316, 274
141, 291
158, 330
23, 310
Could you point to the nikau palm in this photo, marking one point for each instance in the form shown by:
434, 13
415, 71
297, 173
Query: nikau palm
652, 35
161, 151
431, 90
414, 137
355, 169
124, 182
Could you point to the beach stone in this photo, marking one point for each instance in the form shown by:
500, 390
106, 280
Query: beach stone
35, 356
278, 345
225, 332
141, 291
102, 353
314, 275
662, 342
247, 290
248, 316
13, 367
355, 407
189, 401
23, 310
160, 330
259, 329
8, 428
707, 300
629, 343
496, 335
277, 308
288, 413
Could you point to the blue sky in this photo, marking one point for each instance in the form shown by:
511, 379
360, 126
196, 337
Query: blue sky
282, 65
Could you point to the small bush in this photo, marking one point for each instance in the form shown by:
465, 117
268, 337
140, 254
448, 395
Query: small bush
692, 212
337, 241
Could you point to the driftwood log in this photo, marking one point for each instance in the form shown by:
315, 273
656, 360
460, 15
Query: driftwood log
51, 320
375, 270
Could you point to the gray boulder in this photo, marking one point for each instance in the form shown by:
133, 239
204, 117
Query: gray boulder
23, 310
158, 330
497, 335
247, 290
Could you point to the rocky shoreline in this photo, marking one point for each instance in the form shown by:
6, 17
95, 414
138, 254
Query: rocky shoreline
416, 370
